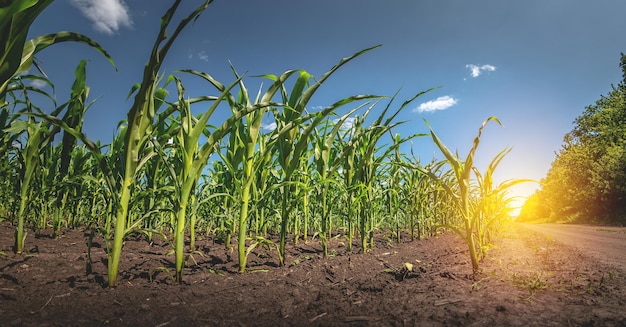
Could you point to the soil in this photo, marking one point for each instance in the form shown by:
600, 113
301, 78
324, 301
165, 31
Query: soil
606, 243
527, 279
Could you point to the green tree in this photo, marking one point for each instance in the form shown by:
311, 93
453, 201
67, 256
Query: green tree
587, 180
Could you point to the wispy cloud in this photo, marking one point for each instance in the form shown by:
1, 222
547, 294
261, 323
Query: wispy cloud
107, 16
476, 70
202, 55
347, 124
269, 127
441, 103
39, 84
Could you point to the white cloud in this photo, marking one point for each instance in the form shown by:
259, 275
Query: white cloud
476, 70
107, 16
441, 103
347, 124
202, 55
37, 83
269, 127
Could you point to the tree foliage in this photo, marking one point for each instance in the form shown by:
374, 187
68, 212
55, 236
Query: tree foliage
587, 181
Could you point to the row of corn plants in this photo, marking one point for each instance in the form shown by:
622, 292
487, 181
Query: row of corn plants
173, 172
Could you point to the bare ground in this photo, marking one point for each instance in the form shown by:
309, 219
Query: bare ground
607, 244
527, 279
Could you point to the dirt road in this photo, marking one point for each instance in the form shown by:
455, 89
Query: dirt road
607, 244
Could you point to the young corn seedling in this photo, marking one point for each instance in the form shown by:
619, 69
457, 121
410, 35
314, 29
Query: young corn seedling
462, 173
492, 206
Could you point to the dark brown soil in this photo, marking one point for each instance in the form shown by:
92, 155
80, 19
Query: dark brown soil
526, 280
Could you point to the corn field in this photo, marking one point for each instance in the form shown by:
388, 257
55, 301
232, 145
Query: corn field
172, 171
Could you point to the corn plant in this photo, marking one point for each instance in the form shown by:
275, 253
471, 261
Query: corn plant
222, 181
155, 196
243, 140
393, 188
265, 185
38, 138
140, 119
130, 155
327, 160
363, 164
462, 173
16, 58
35, 138
195, 158
246, 137
292, 145
492, 206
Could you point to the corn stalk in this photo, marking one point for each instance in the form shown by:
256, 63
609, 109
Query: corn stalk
462, 173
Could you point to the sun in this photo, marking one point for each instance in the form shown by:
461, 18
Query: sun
518, 195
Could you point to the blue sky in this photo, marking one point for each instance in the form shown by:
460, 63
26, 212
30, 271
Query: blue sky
534, 64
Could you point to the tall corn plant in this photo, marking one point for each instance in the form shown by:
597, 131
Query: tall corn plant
194, 158
38, 137
73, 117
17, 57
35, 139
136, 134
462, 173
140, 119
292, 144
242, 143
327, 160
364, 162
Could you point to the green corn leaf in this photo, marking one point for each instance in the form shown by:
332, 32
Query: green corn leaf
306, 96
35, 45
452, 159
469, 162
74, 116
15, 21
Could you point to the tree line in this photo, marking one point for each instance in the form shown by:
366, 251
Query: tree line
586, 182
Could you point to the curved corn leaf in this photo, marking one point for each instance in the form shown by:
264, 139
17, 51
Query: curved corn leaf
15, 20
